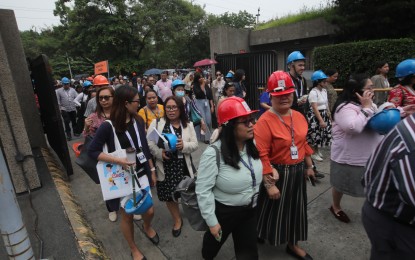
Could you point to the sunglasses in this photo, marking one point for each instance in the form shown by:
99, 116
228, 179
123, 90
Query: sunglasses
173, 108
248, 121
106, 98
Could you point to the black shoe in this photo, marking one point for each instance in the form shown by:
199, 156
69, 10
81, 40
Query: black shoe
177, 232
68, 137
319, 175
292, 253
76, 135
155, 240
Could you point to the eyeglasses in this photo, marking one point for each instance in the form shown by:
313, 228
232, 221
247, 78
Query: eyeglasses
173, 108
248, 121
106, 98
136, 101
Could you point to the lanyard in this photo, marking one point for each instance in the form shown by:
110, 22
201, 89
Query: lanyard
251, 169
282, 120
138, 136
172, 129
299, 94
157, 111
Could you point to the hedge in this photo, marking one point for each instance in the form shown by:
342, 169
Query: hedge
363, 56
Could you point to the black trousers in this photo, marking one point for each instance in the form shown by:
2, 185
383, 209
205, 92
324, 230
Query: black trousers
241, 222
80, 121
390, 239
69, 117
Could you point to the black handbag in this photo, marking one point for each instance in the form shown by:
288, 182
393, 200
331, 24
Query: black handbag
88, 164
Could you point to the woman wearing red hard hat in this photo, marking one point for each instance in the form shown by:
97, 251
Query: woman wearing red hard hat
227, 194
280, 136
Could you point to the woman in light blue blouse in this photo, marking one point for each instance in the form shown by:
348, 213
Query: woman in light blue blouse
227, 196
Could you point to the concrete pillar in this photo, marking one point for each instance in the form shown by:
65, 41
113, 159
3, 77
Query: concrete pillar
16, 123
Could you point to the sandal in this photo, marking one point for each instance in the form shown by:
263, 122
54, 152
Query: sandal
340, 215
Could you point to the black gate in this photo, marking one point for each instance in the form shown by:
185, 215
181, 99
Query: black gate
258, 66
49, 109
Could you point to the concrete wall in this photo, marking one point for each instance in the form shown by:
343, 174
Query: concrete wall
225, 39
296, 31
20, 127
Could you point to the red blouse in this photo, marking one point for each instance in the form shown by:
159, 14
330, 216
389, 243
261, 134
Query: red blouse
402, 96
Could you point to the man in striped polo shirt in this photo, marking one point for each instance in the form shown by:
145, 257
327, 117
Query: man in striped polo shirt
389, 211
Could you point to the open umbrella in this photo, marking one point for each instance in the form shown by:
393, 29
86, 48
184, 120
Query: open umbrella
153, 71
205, 62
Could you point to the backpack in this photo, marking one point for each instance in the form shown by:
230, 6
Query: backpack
185, 194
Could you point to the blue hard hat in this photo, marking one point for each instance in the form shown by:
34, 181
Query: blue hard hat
87, 84
229, 75
177, 82
405, 68
172, 139
65, 80
295, 55
318, 75
383, 121
142, 203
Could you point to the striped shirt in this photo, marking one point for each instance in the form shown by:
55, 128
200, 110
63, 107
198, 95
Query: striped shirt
390, 173
66, 98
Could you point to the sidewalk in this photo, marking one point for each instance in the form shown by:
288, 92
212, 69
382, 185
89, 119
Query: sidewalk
328, 238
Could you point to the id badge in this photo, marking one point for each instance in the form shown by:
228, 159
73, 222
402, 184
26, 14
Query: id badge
206, 103
294, 152
180, 155
141, 157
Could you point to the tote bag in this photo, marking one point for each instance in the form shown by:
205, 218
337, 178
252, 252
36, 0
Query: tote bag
115, 181
88, 164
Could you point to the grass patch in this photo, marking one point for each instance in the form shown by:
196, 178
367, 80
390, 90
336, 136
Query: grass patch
305, 14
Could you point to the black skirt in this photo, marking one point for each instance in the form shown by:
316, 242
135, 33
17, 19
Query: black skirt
284, 220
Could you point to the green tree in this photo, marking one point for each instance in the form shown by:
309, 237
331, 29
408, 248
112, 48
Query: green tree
373, 19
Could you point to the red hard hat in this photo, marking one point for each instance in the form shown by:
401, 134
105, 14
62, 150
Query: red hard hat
280, 83
100, 80
90, 79
233, 107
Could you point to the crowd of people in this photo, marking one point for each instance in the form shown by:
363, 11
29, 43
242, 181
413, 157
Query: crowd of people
257, 192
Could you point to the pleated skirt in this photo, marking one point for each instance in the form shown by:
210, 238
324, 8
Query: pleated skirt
284, 220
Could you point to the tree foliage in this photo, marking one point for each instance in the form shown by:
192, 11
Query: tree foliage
373, 19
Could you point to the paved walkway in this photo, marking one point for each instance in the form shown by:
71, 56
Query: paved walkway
327, 239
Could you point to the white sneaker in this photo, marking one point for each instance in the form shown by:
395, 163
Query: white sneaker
137, 217
315, 157
320, 154
113, 216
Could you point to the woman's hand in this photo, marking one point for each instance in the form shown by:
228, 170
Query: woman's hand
124, 163
153, 178
179, 144
310, 173
322, 124
215, 230
367, 99
273, 192
163, 154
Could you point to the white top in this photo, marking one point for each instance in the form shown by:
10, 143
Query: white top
82, 97
319, 97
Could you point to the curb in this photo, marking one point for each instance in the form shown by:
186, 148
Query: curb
89, 245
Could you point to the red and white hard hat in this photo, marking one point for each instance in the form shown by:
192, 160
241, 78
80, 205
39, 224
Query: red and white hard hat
280, 83
233, 107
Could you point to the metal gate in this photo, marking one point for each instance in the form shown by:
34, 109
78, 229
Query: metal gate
49, 110
257, 66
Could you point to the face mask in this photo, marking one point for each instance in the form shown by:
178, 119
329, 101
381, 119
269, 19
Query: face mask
179, 93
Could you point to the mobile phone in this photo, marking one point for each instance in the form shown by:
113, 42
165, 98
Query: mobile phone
311, 181
219, 238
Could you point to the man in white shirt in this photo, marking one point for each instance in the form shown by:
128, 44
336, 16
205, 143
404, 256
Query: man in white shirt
217, 87
66, 95
164, 86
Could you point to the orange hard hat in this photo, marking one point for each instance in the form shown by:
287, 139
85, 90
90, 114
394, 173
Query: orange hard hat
280, 83
233, 107
100, 80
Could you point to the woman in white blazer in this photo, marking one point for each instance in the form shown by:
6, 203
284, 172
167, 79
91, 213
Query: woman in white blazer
173, 166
